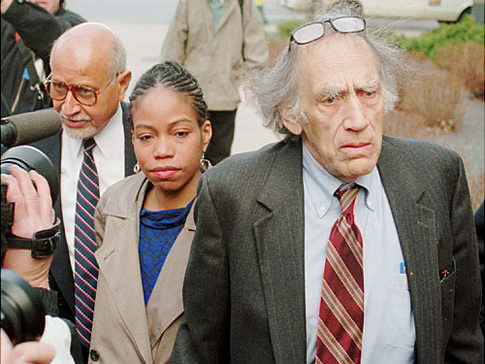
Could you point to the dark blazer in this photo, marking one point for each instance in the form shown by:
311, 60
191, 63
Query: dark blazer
244, 291
61, 275
480, 227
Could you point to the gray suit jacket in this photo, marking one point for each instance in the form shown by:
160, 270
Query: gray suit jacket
244, 293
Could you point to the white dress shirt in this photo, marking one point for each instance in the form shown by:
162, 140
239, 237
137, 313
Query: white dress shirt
389, 333
57, 334
109, 156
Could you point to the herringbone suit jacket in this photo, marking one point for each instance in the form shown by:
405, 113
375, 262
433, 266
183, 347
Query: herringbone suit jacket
244, 289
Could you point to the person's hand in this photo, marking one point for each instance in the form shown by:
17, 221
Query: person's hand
4, 5
33, 212
33, 204
32, 352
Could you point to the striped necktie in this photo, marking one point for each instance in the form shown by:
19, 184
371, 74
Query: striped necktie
86, 267
341, 316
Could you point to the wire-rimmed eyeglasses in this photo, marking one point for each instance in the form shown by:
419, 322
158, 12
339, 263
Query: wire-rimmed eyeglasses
85, 95
310, 32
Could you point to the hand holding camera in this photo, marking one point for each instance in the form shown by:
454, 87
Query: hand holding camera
30, 234
33, 212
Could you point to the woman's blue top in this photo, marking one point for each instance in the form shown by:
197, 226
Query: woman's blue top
158, 232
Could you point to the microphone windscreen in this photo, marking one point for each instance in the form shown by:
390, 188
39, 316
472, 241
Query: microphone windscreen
36, 125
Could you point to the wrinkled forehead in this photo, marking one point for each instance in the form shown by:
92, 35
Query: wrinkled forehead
336, 60
81, 63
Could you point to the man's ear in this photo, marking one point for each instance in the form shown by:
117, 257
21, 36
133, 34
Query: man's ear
124, 80
290, 120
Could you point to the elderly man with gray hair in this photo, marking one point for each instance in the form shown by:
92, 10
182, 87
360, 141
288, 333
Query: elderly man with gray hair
93, 150
338, 244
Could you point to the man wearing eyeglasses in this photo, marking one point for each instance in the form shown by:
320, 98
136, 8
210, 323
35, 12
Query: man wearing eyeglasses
338, 244
87, 85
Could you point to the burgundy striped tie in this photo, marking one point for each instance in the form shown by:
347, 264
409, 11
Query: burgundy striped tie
86, 267
341, 318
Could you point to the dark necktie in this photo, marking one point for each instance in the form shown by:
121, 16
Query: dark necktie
341, 318
86, 267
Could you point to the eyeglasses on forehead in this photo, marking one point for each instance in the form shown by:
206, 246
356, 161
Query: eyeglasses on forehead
310, 32
85, 95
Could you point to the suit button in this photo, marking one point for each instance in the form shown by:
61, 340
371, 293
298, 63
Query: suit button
94, 355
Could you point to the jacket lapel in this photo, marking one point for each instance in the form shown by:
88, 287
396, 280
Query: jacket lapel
165, 303
229, 7
122, 272
209, 19
61, 265
279, 238
415, 223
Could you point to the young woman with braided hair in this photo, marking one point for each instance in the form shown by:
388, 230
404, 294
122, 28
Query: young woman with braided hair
144, 223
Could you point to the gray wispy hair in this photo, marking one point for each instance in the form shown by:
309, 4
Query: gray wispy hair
276, 88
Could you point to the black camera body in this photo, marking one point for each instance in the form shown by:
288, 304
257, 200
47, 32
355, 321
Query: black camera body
30, 158
22, 309
43, 243
16, 132
6, 219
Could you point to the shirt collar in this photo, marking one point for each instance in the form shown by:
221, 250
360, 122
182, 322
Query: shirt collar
112, 131
370, 183
104, 139
327, 184
318, 183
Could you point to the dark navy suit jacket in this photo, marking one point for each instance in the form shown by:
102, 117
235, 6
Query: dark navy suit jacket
61, 275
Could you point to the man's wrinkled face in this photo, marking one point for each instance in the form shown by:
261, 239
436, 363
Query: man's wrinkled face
341, 104
83, 66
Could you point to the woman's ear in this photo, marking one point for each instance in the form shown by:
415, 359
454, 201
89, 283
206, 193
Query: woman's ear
206, 129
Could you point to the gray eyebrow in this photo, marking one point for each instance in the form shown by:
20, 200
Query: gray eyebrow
328, 92
370, 86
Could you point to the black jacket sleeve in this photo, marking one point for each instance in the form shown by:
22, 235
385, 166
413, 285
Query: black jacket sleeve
37, 27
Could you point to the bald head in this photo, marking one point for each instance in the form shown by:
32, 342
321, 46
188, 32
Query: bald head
88, 60
92, 43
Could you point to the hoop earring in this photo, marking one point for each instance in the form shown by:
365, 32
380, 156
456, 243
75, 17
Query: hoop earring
136, 168
204, 163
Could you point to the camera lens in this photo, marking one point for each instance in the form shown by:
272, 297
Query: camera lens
22, 314
29, 158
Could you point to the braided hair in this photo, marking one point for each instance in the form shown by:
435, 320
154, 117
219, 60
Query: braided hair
173, 76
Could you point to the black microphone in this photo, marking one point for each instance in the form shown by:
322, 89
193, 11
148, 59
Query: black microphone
29, 127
